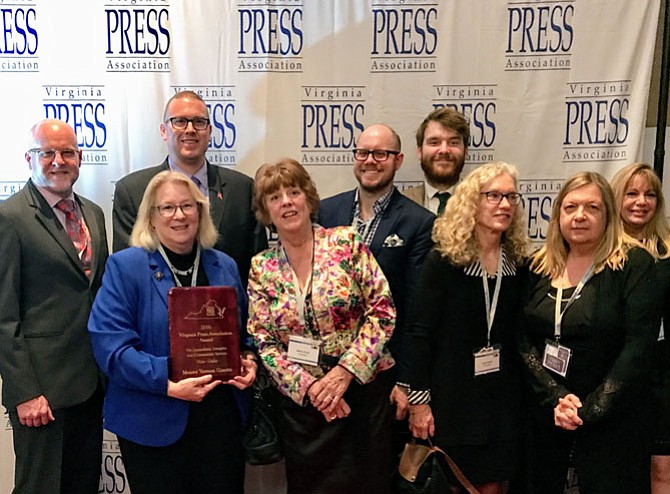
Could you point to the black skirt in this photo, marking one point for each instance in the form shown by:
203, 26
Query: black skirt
352, 454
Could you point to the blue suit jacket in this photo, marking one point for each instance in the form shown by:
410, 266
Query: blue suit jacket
129, 332
401, 264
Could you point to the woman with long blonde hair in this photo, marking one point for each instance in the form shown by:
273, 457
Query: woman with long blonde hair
465, 378
639, 196
590, 324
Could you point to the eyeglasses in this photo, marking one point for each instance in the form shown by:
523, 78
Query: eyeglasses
180, 123
377, 154
169, 210
495, 197
48, 155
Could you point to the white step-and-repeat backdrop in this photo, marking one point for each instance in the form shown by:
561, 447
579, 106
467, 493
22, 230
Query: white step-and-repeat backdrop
552, 86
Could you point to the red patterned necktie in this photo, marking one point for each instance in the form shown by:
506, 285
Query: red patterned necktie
77, 231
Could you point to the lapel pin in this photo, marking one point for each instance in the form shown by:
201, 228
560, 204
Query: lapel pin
158, 275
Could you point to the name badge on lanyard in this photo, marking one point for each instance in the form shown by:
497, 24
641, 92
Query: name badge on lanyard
487, 359
556, 357
303, 350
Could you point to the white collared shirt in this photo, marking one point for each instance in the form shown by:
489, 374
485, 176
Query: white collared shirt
430, 198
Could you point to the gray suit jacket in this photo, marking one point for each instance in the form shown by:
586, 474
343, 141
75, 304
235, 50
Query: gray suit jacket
45, 300
230, 195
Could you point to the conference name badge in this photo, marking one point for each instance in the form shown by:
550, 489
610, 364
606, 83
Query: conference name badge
487, 360
303, 350
556, 357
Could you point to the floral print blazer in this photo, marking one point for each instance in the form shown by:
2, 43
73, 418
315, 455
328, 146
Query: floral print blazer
352, 304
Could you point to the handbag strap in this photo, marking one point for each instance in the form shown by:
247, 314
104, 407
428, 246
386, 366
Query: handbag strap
416, 454
460, 476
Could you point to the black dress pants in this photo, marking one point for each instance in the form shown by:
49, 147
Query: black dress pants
64, 456
207, 459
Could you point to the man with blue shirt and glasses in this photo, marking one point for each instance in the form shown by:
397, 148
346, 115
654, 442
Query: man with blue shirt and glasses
186, 129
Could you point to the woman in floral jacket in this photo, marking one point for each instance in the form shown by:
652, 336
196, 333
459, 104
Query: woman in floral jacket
321, 313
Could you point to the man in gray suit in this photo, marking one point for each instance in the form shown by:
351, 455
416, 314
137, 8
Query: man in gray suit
186, 129
442, 144
53, 249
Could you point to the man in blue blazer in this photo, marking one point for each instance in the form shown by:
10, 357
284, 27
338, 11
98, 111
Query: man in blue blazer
51, 385
397, 230
186, 129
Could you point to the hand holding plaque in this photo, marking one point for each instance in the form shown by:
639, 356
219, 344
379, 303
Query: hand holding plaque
204, 332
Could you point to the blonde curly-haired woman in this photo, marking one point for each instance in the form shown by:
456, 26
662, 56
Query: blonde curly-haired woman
465, 374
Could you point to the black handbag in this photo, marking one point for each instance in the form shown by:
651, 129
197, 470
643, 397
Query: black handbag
428, 470
261, 441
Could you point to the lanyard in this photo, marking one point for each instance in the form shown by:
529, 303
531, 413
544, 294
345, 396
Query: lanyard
175, 271
558, 313
301, 294
492, 305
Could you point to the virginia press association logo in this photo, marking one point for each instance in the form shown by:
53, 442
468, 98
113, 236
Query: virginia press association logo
478, 102
404, 36
113, 478
332, 116
221, 101
138, 36
83, 108
270, 36
596, 121
20, 39
539, 35
537, 201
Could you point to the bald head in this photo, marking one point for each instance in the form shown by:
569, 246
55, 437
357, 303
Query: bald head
48, 128
53, 156
375, 175
383, 132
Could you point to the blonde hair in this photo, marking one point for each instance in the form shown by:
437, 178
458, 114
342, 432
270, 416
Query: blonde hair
286, 172
656, 232
454, 232
612, 250
144, 234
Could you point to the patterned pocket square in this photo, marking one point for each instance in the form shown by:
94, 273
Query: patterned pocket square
393, 241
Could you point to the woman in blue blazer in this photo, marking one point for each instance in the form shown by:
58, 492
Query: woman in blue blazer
182, 436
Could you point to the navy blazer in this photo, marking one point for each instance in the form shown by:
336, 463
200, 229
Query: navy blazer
401, 242
129, 332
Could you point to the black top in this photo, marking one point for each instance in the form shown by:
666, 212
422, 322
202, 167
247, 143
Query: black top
611, 329
185, 261
663, 274
449, 324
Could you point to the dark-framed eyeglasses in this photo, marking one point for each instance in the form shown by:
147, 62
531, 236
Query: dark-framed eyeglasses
377, 154
169, 210
48, 155
495, 197
180, 123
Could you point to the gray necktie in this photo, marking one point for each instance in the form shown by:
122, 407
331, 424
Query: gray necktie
198, 184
